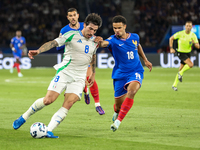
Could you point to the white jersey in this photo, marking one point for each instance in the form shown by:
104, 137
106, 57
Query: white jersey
78, 53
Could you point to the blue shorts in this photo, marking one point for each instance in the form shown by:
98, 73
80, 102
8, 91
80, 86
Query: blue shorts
120, 85
17, 55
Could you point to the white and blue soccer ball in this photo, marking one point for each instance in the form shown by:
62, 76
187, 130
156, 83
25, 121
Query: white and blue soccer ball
38, 130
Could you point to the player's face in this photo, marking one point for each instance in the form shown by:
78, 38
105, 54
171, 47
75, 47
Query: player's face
119, 29
89, 30
73, 17
188, 27
18, 33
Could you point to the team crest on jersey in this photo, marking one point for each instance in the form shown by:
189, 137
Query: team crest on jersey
21, 41
109, 38
135, 43
79, 41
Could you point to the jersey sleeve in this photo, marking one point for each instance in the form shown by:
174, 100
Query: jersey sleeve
109, 41
12, 41
177, 35
67, 37
24, 40
194, 37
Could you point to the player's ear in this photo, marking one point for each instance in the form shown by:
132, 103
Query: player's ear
78, 15
125, 26
84, 25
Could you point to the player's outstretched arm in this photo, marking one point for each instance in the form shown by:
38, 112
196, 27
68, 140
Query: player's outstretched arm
93, 66
45, 47
103, 44
146, 62
171, 40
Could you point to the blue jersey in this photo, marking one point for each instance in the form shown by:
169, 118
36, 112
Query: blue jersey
17, 43
68, 28
125, 53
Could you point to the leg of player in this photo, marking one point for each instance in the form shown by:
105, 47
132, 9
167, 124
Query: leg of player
187, 66
94, 90
18, 68
174, 86
59, 116
132, 89
86, 94
40, 103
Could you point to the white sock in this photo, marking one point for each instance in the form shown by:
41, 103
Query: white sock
97, 104
37, 105
57, 118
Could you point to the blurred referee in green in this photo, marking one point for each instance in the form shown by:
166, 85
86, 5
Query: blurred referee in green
186, 39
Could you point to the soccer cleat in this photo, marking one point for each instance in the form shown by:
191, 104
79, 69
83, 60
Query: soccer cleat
174, 88
20, 74
87, 98
115, 125
180, 77
115, 115
18, 122
11, 70
50, 135
100, 110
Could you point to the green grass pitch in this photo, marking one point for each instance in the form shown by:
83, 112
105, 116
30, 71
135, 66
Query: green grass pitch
160, 118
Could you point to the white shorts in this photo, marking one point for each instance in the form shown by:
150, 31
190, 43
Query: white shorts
66, 82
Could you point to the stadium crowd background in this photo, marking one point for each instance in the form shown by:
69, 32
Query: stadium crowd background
41, 21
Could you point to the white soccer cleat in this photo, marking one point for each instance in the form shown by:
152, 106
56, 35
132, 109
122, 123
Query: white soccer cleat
115, 125
11, 70
20, 74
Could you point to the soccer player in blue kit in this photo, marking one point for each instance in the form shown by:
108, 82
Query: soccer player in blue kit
128, 71
72, 16
17, 44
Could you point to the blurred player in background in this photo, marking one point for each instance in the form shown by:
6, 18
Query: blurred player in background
186, 39
71, 72
72, 16
128, 71
18, 43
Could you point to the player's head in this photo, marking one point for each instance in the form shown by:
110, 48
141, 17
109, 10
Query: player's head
188, 26
91, 24
119, 25
72, 16
18, 33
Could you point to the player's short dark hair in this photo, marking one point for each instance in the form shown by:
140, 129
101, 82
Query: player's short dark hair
71, 10
94, 19
118, 19
188, 22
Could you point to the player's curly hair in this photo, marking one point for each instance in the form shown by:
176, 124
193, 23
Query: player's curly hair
118, 19
94, 19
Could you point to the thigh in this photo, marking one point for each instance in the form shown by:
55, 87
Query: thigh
59, 82
76, 87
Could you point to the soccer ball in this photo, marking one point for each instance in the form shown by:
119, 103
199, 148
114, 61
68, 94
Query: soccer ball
38, 130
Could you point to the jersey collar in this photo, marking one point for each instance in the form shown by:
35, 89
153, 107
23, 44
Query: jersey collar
129, 34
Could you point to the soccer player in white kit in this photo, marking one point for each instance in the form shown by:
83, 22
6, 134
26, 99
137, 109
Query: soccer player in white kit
80, 50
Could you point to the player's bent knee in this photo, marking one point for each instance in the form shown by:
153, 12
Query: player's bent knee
131, 93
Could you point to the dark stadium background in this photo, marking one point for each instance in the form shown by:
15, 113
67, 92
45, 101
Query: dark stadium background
41, 21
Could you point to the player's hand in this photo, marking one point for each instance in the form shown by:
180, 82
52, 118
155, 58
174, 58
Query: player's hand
91, 80
32, 53
149, 65
172, 50
98, 39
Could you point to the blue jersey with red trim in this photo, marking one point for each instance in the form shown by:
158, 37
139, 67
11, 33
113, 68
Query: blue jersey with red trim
125, 53
17, 43
66, 29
